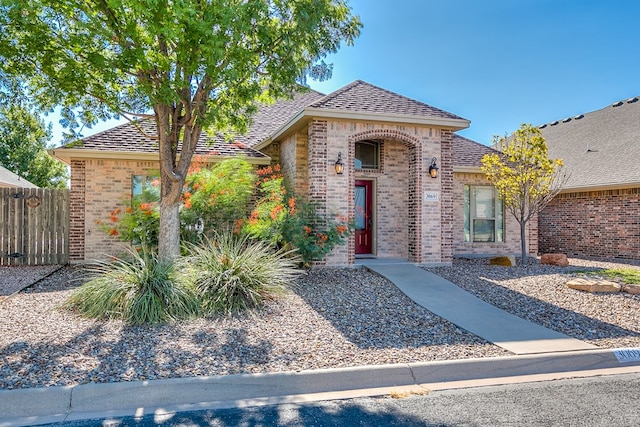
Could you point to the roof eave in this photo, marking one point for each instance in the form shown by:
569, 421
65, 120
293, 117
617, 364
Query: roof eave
467, 169
66, 154
441, 122
602, 187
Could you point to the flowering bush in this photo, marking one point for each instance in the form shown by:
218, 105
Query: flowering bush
284, 219
139, 223
219, 198
216, 198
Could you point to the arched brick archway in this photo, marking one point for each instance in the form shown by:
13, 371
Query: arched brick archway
414, 214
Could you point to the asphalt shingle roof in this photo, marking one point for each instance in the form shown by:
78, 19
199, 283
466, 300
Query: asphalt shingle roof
468, 153
600, 148
361, 96
138, 138
10, 179
358, 96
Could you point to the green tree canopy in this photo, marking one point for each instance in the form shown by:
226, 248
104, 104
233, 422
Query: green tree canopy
196, 64
23, 148
523, 175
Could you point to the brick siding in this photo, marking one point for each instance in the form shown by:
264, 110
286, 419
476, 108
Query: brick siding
511, 245
76, 211
593, 224
97, 188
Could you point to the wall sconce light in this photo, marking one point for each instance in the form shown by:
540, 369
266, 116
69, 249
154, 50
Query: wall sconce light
339, 165
433, 168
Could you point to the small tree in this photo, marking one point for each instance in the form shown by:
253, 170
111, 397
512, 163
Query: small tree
524, 177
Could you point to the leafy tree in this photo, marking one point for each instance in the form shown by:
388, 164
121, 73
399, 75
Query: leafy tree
23, 148
524, 176
196, 64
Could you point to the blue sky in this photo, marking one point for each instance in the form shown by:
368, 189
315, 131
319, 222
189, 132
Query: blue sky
498, 63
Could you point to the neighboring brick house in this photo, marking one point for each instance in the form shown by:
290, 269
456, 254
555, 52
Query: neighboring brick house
387, 143
597, 214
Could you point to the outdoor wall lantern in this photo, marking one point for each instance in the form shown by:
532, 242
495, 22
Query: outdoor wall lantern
433, 168
339, 165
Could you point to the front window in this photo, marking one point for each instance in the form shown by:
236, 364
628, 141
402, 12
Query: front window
367, 155
483, 215
148, 184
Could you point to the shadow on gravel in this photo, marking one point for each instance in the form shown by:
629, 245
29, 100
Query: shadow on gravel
373, 313
538, 311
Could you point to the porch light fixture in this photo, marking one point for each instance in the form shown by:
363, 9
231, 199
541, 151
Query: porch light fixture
339, 165
433, 168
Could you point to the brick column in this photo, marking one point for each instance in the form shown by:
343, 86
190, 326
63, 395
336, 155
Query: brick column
446, 192
414, 229
317, 176
77, 211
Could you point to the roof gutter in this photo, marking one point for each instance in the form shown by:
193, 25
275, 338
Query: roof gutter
307, 113
66, 154
584, 189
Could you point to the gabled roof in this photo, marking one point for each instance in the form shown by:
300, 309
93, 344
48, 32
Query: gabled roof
11, 180
468, 153
361, 96
599, 149
363, 101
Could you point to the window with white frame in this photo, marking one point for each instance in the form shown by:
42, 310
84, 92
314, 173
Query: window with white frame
483, 214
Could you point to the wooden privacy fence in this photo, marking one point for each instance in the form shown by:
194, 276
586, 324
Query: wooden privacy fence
34, 226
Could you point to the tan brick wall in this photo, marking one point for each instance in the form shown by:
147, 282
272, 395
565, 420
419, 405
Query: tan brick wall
402, 212
76, 211
593, 224
511, 245
107, 185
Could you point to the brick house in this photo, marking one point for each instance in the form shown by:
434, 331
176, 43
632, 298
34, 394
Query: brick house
597, 214
387, 144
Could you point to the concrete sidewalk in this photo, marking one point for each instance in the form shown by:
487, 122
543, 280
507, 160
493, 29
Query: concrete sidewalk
160, 397
447, 300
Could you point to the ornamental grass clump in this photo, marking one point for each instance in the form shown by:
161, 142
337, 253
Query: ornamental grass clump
233, 273
141, 290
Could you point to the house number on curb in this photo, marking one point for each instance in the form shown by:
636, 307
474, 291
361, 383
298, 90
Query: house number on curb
627, 354
431, 196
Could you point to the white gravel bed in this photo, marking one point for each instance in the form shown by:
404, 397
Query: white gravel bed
335, 318
539, 294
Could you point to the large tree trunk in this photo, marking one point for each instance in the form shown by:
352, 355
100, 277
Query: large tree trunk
169, 233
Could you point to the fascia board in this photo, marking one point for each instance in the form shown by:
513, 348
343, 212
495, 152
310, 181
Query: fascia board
453, 124
587, 188
467, 169
66, 154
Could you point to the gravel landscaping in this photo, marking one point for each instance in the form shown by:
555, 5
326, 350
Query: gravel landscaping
335, 318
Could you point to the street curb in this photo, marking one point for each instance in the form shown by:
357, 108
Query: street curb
138, 398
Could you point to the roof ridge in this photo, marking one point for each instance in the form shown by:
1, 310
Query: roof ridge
336, 93
580, 116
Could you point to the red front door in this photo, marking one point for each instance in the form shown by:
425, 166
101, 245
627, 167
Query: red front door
363, 217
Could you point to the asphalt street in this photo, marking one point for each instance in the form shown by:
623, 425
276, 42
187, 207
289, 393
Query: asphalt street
597, 401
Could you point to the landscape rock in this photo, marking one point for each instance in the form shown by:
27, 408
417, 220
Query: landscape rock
631, 289
505, 261
554, 259
588, 285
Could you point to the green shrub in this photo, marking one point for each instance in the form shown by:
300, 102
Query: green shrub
141, 290
282, 218
216, 198
232, 273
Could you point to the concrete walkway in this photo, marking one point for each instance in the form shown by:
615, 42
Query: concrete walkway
447, 300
